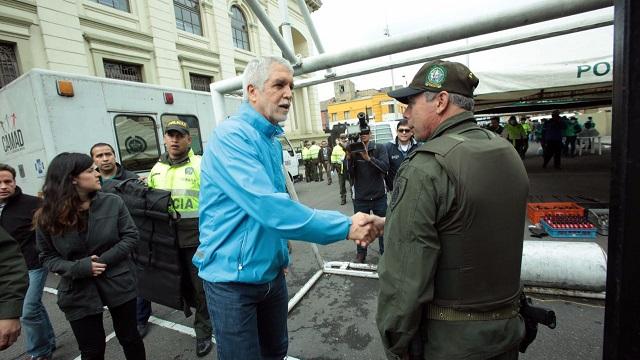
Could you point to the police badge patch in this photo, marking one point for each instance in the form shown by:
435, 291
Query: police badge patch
436, 76
188, 171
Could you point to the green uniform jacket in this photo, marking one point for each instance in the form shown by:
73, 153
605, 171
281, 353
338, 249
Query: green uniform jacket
13, 277
424, 197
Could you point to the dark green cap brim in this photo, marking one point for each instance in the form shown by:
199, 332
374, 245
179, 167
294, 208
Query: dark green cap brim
404, 94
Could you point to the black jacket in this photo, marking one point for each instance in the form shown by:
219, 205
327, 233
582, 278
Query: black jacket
322, 157
121, 174
396, 157
13, 277
112, 236
17, 219
367, 177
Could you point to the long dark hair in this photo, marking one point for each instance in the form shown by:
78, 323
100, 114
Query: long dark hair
60, 210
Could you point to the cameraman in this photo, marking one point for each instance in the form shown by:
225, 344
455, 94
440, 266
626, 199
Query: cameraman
367, 168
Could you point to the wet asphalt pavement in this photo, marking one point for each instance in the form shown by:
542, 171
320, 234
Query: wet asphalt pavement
336, 319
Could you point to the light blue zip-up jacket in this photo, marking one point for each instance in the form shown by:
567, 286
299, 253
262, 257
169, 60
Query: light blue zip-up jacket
246, 215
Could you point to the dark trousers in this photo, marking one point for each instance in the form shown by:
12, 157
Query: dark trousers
89, 333
143, 310
341, 181
570, 146
326, 165
377, 207
201, 321
308, 173
552, 149
250, 319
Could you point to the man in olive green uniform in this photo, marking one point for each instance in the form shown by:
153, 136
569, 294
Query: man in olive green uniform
450, 275
14, 281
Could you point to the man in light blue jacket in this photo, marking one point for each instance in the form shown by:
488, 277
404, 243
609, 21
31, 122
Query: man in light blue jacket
246, 217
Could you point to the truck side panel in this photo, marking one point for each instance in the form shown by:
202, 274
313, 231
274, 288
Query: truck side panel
22, 141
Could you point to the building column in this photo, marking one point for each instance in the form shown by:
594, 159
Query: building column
306, 113
62, 36
224, 40
163, 29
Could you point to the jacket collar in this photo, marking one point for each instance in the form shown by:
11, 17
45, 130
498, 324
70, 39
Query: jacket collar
452, 122
13, 197
258, 121
412, 142
164, 158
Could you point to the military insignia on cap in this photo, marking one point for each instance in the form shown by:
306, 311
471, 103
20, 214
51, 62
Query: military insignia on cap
436, 76
177, 123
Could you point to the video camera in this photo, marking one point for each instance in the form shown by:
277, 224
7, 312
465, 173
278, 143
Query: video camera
355, 145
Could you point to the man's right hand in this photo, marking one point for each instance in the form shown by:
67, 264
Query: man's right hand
9, 332
365, 228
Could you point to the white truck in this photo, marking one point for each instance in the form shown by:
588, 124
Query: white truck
44, 113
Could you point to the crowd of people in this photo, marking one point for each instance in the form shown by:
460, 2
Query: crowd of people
441, 293
557, 135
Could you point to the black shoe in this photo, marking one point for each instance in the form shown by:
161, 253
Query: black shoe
203, 346
360, 258
143, 329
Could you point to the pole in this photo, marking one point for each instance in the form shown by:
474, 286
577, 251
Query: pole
622, 313
287, 52
515, 16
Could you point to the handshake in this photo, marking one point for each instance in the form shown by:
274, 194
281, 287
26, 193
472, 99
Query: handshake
365, 228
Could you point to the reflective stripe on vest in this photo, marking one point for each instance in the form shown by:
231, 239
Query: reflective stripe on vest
184, 183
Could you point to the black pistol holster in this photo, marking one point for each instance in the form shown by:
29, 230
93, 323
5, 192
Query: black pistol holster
534, 315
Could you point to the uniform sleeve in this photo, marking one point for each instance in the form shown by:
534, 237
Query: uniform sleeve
128, 237
13, 277
236, 168
412, 248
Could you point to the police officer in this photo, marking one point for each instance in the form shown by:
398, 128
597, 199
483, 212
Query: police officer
337, 163
178, 171
450, 278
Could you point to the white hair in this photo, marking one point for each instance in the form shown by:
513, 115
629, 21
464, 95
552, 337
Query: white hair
461, 101
257, 72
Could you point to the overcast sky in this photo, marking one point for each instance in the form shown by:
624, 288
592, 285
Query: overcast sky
345, 24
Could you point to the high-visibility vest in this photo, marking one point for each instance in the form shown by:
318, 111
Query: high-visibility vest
337, 155
183, 180
305, 154
314, 150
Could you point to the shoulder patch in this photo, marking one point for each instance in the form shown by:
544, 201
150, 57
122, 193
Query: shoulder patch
441, 145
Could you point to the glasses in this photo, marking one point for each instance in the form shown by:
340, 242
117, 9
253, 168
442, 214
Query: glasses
404, 131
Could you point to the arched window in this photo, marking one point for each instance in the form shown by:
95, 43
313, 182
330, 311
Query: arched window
239, 29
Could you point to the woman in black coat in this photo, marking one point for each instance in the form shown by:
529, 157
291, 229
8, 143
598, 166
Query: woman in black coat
87, 237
